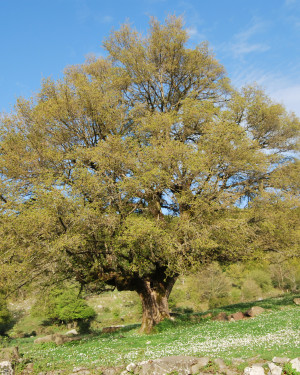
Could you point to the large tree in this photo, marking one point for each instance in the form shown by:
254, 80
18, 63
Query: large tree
138, 166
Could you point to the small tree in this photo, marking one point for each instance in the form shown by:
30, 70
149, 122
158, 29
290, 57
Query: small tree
214, 286
286, 275
64, 306
135, 167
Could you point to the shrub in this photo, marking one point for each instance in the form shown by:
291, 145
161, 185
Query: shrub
235, 295
213, 284
237, 273
5, 316
176, 297
286, 275
65, 306
262, 278
215, 302
250, 290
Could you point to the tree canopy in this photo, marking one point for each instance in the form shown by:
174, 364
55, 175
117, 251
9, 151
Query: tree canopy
138, 166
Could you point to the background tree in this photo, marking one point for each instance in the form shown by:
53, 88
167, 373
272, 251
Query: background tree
217, 286
138, 166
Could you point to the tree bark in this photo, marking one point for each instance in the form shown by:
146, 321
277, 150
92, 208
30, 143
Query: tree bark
154, 291
154, 296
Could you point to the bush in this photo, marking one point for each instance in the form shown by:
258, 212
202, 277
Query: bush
5, 316
215, 302
286, 275
176, 297
65, 306
262, 278
237, 273
250, 290
213, 284
235, 295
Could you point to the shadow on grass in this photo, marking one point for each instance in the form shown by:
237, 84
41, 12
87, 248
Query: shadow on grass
118, 332
274, 303
130, 327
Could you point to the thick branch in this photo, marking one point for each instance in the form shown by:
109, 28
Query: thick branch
3, 199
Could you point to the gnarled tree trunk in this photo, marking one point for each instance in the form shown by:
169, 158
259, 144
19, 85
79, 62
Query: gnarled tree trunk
154, 296
154, 290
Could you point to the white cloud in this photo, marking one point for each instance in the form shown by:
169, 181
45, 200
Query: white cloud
194, 34
289, 2
192, 31
252, 30
282, 89
102, 19
289, 96
86, 14
242, 45
242, 48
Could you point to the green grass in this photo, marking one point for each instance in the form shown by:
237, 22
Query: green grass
112, 308
274, 333
275, 303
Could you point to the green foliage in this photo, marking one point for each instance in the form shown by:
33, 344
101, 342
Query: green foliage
289, 370
178, 295
210, 285
5, 316
64, 306
262, 278
116, 312
237, 272
251, 290
235, 295
218, 301
215, 287
130, 170
165, 325
286, 275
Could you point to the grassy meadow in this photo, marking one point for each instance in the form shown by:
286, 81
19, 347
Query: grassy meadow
274, 333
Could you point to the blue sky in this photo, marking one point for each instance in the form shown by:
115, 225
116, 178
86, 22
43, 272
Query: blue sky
256, 40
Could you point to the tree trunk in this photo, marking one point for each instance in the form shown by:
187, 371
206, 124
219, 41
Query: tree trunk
154, 296
154, 291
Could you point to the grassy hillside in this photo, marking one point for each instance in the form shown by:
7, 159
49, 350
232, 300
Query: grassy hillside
210, 288
275, 332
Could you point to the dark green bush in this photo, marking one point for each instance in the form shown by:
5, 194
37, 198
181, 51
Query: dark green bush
64, 306
5, 316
